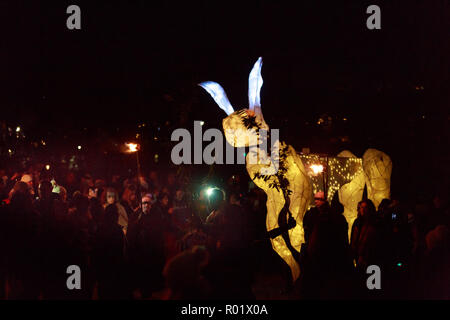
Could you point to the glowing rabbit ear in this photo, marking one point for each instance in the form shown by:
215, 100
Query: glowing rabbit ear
255, 83
219, 95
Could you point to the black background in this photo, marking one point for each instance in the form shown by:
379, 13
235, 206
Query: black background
140, 61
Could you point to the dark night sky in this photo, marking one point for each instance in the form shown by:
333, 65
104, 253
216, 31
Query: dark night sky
128, 53
318, 58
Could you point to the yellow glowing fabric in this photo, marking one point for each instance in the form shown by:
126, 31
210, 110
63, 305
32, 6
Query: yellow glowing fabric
237, 134
377, 167
351, 193
339, 171
301, 188
347, 175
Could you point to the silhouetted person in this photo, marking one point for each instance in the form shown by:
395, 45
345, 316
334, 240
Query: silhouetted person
109, 259
184, 276
44, 204
230, 270
438, 215
111, 196
311, 216
148, 243
434, 279
24, 245
364, 233
327, 269
133, 242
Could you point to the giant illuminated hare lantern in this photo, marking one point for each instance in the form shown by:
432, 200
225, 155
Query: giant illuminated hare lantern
280, 172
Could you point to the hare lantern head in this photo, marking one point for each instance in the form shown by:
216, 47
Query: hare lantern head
242, 127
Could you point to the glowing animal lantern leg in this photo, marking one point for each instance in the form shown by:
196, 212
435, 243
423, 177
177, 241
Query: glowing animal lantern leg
351, 193
298, 197
281, 175
377, 167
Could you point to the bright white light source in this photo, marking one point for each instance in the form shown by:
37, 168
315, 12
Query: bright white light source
209, 191
47, 167
219, 95
79, 147
317, 168
132, 147
18, 129
255, 83
202, 123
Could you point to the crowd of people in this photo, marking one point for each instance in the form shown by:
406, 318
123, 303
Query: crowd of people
153, 238
407, 240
